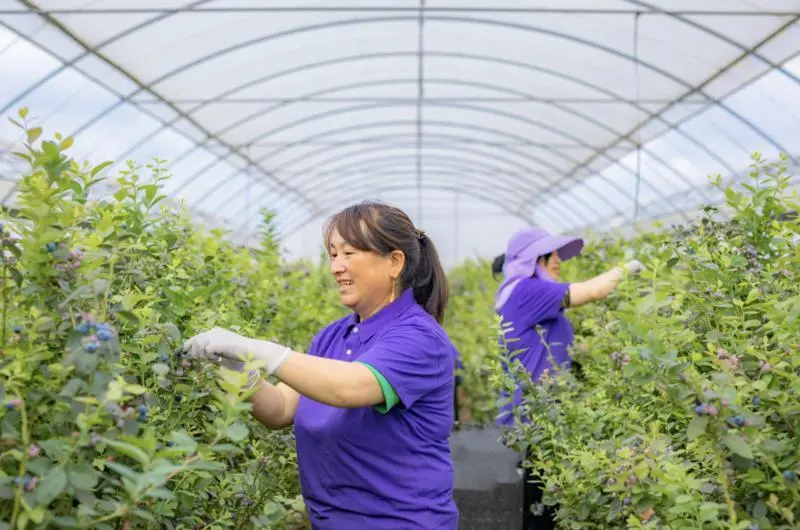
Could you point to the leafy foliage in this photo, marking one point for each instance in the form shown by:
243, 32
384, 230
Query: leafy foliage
684, 411
101, 426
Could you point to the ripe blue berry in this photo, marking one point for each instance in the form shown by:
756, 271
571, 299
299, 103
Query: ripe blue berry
789, 475
83, 327
142, 409
90, 347
104, 334
17, 329
51, 247
756, 401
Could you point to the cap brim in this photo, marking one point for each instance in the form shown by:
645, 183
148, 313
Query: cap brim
568, 246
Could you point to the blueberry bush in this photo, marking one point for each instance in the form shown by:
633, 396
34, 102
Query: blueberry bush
684, 412
102, 425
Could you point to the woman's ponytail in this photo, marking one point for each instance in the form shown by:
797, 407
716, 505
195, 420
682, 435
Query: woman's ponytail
430, 281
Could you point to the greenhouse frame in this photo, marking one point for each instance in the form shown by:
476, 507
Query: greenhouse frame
477, 118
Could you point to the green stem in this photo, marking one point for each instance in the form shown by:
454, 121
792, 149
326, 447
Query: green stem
21, 473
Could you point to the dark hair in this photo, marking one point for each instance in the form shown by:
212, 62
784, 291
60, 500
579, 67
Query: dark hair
497, 264
499, 261
377, 227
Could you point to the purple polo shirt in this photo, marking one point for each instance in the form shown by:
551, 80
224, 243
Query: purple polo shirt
532, 303
363, 468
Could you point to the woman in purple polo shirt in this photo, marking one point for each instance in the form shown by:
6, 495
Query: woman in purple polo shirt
372, 400
531, 296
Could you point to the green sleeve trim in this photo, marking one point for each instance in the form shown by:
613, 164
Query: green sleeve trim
390, 398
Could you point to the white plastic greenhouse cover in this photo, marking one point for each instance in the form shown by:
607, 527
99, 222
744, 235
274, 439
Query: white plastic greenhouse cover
475, 117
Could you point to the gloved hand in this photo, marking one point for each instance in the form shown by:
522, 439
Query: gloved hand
232, 351
634, 266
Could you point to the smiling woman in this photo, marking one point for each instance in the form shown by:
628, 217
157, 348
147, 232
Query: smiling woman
372, 400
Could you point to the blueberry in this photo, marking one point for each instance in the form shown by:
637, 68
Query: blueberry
170, 443
51, 247
17, 329
739, 420
104, 335
700, 410
789, 475
83, 327
756, 401
17, 481
142, 409
91, 347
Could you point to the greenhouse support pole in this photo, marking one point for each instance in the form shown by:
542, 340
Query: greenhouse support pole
639, 130
420, 95
456, 222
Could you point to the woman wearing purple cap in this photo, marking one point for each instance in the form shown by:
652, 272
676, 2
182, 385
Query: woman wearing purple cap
372, 400
531, 296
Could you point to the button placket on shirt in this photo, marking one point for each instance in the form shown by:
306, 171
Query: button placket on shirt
351, 343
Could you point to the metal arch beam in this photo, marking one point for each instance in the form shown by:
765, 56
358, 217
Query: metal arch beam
473, 57
375, 167
405, 161
724, 38
375, 125
497, 88
403, 174
455, 19
384, 189
455, 125
464, 20
699, 89
88, 51
463, 152
380, 9
398, 136
455, 161
476, 108
145, 87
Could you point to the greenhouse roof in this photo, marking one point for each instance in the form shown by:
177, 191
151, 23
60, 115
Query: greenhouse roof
475, 117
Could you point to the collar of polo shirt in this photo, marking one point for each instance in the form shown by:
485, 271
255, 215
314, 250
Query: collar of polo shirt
380, 319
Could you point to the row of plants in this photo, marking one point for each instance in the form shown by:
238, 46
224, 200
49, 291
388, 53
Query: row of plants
102, 425
683, 411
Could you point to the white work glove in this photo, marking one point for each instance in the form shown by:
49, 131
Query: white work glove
634, 266
232, 351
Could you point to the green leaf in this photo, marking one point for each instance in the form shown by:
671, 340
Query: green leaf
55, 448
183, 440
83, 477
129, 450
34, 134
237, 432
129, 316
100, 286
66, 143
135, 389
735, 443
696, 427
100, 167
51, 486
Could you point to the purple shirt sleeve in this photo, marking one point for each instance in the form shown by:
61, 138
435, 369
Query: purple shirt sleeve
413, 358
541, 300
